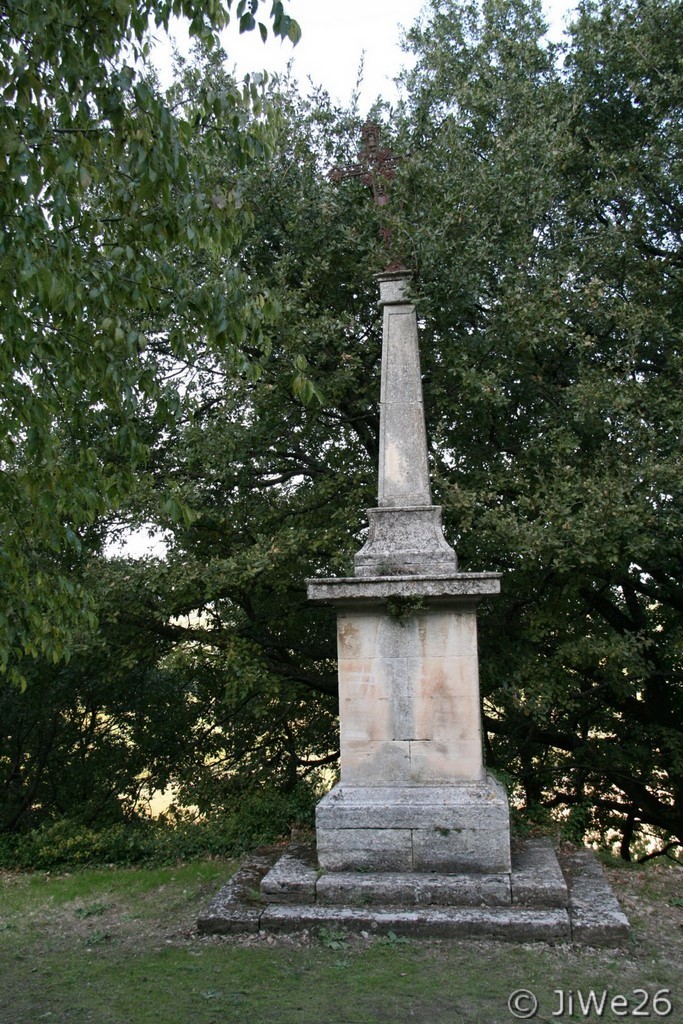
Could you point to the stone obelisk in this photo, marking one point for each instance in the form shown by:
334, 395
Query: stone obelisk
413, 794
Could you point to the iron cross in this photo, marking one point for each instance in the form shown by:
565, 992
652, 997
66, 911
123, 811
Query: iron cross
375, 168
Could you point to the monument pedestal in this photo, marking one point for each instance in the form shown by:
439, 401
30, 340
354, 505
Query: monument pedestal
413, 794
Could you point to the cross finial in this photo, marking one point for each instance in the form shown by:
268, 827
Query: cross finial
376, 168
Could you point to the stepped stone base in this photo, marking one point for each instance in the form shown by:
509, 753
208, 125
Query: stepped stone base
540, 899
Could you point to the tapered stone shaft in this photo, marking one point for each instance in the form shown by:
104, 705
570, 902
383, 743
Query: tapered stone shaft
403, 465
405, 536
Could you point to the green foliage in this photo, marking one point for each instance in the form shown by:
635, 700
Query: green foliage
333, 938
543, 210
87, 738
550, 297
403, 608
70, 844
101, 209
260, 816
538, 201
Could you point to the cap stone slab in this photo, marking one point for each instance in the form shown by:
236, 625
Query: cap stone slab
460, 588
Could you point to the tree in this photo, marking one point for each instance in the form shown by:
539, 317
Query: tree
83, 740
550, 295
551, 288
275, 474
97, 198
549, 299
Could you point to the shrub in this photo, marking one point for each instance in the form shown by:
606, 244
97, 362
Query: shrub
260, 816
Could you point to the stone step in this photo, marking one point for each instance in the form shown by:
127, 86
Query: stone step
352, 888
536, 881
597, 919
294, 894
511, 923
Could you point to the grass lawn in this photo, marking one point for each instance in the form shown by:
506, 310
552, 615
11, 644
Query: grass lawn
118, 946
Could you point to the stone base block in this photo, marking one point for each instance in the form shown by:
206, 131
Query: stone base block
450, 829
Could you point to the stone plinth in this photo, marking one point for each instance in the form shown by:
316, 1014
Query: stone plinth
453, 828
413, 794
408, 696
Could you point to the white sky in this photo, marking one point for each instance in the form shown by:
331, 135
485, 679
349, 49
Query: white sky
336, 34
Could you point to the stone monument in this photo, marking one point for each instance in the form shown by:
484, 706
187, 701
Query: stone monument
414, 794
415, 836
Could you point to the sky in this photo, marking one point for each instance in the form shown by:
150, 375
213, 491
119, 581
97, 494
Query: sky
337, 35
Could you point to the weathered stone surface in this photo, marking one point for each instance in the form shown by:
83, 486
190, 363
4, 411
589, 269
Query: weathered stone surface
513, 924
537, 879
403, 465
393, 287
351, 888
536, 882
408, 670
462, 849
409, 697
236, 907
593, 917
292, 879
469, 804
405, 541
435, 632
426, 850
465, 588
596, 917
436, 760
383, 761
358, 849
415, 828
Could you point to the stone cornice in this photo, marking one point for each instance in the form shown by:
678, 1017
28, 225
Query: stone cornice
464, 586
